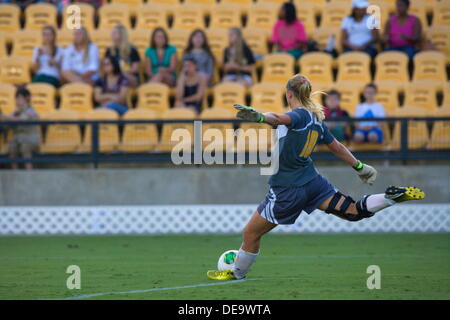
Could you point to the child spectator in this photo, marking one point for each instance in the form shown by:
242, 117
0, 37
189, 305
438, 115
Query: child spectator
369, 131
80, 61
25, 138
199, 50
356, 35
191, 87
161, 59
124, 52
111, 90
47, 59
403, 31
238, 60
332, 109
289, 33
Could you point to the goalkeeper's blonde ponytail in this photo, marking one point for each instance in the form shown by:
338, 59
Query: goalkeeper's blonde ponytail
301, 87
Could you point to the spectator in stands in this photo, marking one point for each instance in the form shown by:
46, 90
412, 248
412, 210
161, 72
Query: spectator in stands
47, 59
332, 109
403, 31
369, 131
80, 61
356, 35
127, 55
25, 138
238, 60
112, 89
199, 50
191, 86
161, 59
289, 34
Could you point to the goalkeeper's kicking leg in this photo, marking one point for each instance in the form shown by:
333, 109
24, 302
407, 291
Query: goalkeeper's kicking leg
338, 204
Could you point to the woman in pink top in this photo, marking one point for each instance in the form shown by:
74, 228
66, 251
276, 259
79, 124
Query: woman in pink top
288, 33
403, 31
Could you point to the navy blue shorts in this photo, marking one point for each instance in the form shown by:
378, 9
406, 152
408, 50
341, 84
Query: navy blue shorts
283, 205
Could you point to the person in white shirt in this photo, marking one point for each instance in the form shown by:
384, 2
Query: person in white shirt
360, 30
369, 131
47, 59
81, 59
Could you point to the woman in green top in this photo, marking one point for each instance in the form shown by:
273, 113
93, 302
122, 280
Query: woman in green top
161, 59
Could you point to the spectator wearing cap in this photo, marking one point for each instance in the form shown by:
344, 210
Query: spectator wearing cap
360, 30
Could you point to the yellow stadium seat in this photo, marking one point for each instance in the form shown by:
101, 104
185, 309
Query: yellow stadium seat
15, 70
354, 67
392, 69
256, 39
440, 37
278, 67
39, 15
306, 14
141, 39
228, 93
7, 98
254, 137
418, 136
108, 134
446, 100
428, 4
215, 133
204, 5
429, 66
42, 97
87, 13
322, 34
224, 16
25, 41
186, 134
64, 37
168, 4
267, 97
242, 5
178, 37
263, 15
133, 5
317, 67
440, 133
387, 96
9, 19
3, 52
188, 16
441, 13
151, 16
112, 14
421, 95
76, 96
418, 9
102, 38
318, 5
153, 96
350, 95
139, 137
334, 13
218, 41
61, 138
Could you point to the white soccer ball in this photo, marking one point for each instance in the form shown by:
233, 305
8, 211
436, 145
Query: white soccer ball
226, 260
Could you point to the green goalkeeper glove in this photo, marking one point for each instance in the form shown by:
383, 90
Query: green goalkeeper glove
366, 173
248, 113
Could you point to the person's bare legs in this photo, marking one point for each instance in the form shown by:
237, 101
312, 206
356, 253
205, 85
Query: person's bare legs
70, 76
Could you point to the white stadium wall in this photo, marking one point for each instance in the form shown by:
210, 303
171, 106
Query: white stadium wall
205, 219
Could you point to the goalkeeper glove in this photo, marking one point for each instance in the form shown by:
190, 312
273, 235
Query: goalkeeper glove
248, 113
366, 173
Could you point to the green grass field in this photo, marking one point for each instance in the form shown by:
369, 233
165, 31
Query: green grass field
413, 266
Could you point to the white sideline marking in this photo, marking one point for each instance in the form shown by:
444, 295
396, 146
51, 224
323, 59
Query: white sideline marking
85, 296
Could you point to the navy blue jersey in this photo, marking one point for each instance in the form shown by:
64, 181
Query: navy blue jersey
296, 142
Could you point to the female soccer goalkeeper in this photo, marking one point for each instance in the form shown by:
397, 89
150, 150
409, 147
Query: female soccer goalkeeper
297, 185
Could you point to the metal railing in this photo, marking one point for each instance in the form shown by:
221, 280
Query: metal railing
94, 156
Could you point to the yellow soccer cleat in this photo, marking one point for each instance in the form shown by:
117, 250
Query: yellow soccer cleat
221, 275
400, 194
